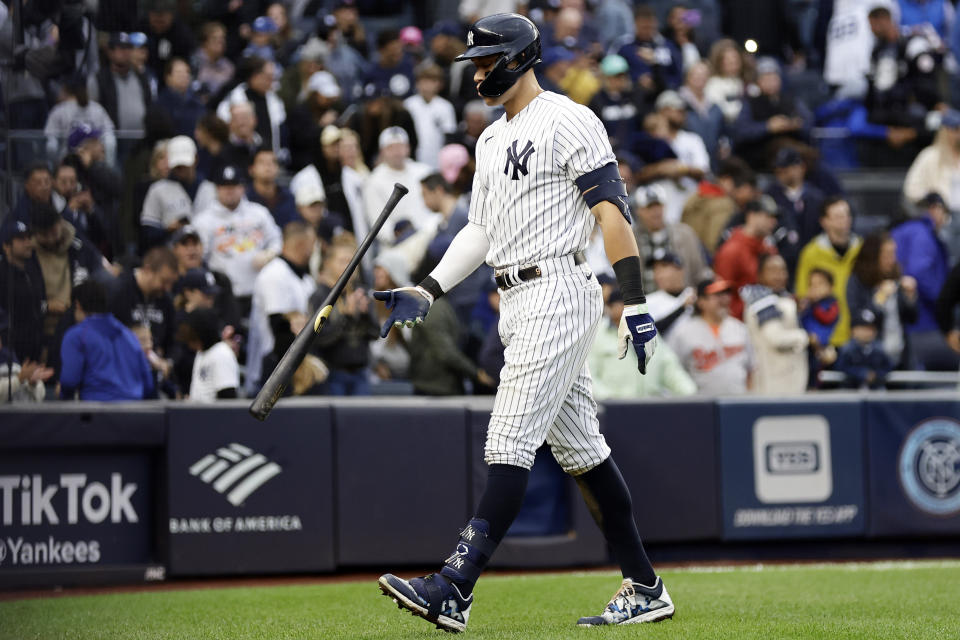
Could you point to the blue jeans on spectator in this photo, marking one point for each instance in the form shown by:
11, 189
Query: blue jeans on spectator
346, 383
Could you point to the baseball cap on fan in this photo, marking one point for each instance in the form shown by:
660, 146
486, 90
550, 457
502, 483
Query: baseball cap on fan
181, 152
650, 195
228, 175
80, 133
310, 193
393, 135
711, 287
200, 279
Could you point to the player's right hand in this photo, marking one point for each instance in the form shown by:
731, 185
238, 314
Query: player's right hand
408, 306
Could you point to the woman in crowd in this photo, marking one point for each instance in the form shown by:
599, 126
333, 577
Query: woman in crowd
878, 285
726, 86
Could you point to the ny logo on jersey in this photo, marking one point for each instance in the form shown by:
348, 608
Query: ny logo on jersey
518, 159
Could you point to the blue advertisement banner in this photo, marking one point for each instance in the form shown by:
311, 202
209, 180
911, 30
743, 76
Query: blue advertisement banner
793, 469
75, 510
245, 497
914, 452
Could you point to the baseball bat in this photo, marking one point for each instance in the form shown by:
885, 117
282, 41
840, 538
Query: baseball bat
273, 388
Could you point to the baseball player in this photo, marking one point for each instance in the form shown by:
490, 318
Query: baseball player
545, 173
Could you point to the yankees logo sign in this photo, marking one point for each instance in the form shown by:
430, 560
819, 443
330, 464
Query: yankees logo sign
518, 159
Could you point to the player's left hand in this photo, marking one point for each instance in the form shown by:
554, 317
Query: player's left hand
637, 327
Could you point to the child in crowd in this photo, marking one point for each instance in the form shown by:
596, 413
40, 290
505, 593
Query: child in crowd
216, 373
821, 312
863, 359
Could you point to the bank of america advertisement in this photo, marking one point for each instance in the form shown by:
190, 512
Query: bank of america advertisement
75, 510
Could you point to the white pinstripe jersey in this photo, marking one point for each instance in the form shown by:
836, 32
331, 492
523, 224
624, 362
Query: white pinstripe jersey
524, 193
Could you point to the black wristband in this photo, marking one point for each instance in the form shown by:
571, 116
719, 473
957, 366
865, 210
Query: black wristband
432, 287
630, 278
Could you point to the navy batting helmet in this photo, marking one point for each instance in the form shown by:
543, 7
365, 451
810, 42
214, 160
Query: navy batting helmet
515, 38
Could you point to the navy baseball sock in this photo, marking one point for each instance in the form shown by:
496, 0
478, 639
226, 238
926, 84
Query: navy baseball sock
506, 486
608, 499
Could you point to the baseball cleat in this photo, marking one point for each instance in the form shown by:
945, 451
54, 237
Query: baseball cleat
432, 597
634, 603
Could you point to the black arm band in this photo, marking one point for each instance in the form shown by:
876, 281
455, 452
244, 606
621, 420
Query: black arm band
630, 278
432, 287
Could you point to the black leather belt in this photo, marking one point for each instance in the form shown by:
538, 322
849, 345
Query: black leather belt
530, 273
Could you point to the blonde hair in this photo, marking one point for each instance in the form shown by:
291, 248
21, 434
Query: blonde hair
717, 52
353, 135
159, 153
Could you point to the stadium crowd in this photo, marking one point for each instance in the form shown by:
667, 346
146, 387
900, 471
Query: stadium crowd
206, 169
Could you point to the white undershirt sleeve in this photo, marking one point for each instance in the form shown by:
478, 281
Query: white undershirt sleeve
466, 252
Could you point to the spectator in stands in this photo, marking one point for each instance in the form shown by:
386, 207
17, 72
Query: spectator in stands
393, 72
616, 103
821, 311
265, 190
37, 190
162, 369
878, 284
374, 116
244, 139
262, 32
390, 357
613, 377
396, 166
19, 383
710, 211
76, 107
779, 342
438, 366
674, 298
738, 259
353, 176
320, 109
122, 90
688, 146
169, 203
312, 208
239, 237
937, 168
713, 347
345, 347
178, 98
947, 317
188, 249
655, 62
432, 114
439, 197
475, 119
679, 30
652, 232
924, 256
215, 374
87, 155
20, 271
66, 259
288, 37
75, 203
281, 295
141, 296
799, 204
102, 359
834, 251
703, 117
270, 114
295, 81
903, 76
213, 140
346, 17
169, 36
727, 85
863, 359
769, 120
557, 62
214, 68
139, 56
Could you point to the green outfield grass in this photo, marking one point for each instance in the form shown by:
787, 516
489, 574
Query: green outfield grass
886, 600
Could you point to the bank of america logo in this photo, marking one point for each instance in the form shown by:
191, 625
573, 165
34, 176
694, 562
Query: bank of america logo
236, 469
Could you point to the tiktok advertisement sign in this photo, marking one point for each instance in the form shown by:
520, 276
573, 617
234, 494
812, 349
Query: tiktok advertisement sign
914, 467
249, 497
791, 469
74, 511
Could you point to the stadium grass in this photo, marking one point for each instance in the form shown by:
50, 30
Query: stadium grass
880, 600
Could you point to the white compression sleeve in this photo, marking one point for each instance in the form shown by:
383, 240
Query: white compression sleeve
466, 252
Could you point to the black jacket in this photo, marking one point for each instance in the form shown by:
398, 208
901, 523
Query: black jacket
29, 305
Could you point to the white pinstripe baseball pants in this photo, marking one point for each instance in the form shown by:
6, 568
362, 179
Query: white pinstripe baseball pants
545, 395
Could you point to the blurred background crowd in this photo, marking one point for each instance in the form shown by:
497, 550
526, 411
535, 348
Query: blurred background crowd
184, 181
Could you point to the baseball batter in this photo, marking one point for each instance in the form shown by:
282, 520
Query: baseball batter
545, 174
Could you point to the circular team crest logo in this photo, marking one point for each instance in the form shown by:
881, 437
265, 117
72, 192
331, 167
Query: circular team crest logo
930, 466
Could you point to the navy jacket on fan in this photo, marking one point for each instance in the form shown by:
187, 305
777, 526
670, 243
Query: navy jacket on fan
102, 359
667, 69
131, 307
26, 321
283, 210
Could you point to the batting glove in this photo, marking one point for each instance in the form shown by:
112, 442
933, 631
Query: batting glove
636, 326
408, 306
